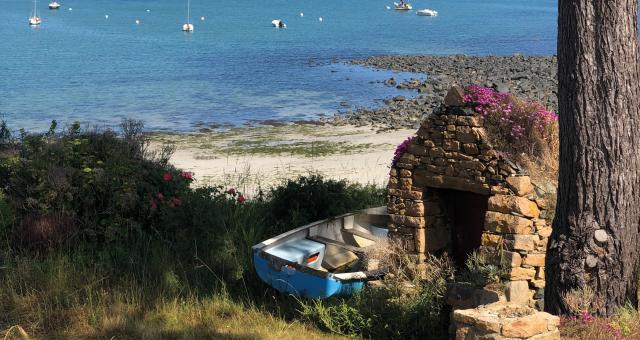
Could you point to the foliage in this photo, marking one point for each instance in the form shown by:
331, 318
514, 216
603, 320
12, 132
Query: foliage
405, 304
479, 272
310, 198
523, 129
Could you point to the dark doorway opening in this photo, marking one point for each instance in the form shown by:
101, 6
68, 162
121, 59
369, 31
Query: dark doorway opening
466, 213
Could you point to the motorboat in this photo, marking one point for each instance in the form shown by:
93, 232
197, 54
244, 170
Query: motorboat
54, 5
324, 258
278, 23
427, 13
405, 6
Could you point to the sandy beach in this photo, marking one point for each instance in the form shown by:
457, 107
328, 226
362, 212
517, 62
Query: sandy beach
254, 158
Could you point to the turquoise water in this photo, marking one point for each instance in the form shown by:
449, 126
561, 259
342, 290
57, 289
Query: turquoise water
235, 67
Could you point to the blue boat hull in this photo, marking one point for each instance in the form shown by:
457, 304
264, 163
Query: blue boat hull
288, 279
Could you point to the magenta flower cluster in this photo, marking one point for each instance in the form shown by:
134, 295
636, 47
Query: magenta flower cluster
587, 319
400, 150
515, 118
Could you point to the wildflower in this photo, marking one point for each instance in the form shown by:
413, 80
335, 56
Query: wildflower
400, 150
241, 198
167, 176
231, 192
153, 205
175, 202
160, 196
187, 175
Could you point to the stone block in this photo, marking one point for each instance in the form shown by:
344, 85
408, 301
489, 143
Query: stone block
470, 148
490, 240
518, 274
455, 96
414, 208
505, 223
475, 121
405, 183
521, 185
419, 239
525, 327
510, 258
540, 273
553, 335
522, 242
451, 145
518, 292
534, 260
404, 173
514, 204
466, 137
417, 150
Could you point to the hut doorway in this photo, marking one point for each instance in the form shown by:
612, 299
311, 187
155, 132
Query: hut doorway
466, 214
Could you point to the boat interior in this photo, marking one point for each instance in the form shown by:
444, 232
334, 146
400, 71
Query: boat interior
335, 246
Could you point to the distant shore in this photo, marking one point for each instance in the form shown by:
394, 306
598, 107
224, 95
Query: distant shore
532, 77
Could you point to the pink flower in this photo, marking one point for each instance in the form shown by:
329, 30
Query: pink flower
167, 176
241, 198
175, 202
187, 175
231, 191
153, 205
160, 196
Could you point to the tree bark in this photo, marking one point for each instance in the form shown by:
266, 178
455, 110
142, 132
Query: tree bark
599, 179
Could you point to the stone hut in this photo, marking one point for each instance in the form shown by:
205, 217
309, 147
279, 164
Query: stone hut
452, 191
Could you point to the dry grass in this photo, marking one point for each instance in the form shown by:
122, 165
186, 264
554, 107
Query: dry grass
53, 298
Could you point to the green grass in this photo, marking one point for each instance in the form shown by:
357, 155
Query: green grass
60, 297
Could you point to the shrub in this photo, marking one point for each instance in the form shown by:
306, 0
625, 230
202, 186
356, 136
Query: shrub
405, 304
523, 129
311, 198
479, 272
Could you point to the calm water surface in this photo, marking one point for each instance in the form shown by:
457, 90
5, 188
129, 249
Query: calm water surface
235, 67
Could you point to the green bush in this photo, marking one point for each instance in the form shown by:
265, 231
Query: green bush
311, 198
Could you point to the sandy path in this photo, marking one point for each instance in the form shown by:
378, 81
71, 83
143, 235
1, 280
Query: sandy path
254, 158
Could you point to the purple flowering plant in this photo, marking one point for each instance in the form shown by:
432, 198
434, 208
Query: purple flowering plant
400, 150
517, 126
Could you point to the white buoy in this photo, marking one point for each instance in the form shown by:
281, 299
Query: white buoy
388, 7
148, 11
301, 14
106, 16
137, 22
202, 18
320, 19
71, 9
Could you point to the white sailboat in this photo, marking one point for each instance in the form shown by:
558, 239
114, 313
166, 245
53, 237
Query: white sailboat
34, 19
188, 26
54, 5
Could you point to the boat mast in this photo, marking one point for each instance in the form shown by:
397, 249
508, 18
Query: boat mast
188, 11
35, 9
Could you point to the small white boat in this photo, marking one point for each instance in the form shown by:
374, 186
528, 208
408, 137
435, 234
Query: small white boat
278, 23
403, 6
188, 26
427, 13
54, 5
34, 19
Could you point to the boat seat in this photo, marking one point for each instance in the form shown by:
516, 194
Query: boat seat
327, 241
359, 238
337, 257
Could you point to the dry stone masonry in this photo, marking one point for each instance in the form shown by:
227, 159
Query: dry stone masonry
452, 191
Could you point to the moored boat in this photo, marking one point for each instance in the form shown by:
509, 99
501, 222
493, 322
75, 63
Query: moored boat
188, 26
427, 12
405, 6
324, 258
54, 5
34, 19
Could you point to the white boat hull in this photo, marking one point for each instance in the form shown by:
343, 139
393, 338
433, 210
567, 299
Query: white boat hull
187, 28
427, 13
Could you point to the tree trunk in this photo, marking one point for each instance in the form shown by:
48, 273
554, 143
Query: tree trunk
599, 181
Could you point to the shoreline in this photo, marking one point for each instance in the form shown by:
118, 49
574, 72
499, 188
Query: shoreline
356, 145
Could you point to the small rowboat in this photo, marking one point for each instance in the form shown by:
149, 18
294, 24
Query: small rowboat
324, 258
427, 13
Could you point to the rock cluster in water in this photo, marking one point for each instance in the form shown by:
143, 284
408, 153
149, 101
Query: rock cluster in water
525, 76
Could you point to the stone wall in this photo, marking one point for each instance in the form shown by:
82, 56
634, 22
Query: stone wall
452, 151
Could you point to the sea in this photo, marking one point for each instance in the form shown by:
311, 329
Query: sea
101, 61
